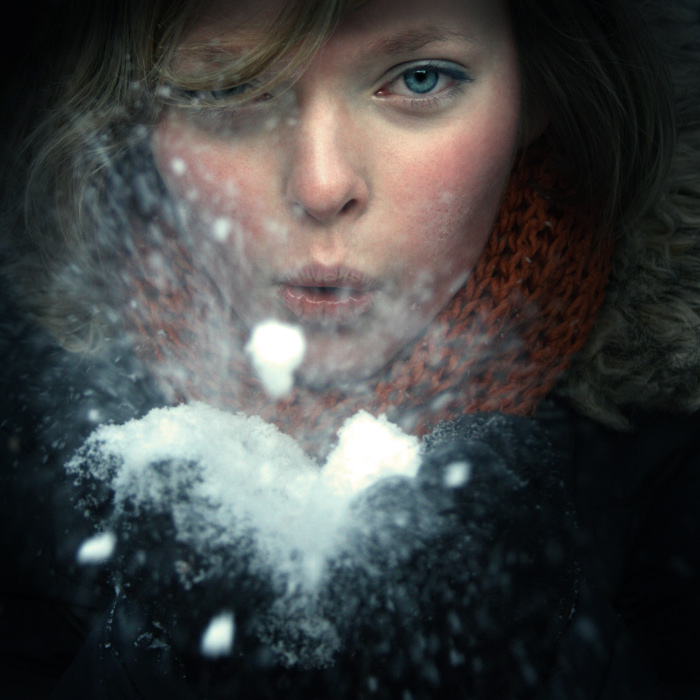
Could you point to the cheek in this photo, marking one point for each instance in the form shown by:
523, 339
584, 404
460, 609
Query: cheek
453, 179
208, 175
449, 202
224, 195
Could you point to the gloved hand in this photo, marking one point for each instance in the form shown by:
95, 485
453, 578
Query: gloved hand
465, 584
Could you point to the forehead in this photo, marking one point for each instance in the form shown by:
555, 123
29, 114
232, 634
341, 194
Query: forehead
245, 24
239, 18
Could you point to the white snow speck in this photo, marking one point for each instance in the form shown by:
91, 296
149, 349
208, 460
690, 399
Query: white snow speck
276, 350
456, 659
221, 229
97, 549
457, 474
218, 637
277, 229
178, 166
271, 123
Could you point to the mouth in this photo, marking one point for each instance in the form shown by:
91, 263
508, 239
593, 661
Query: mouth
327, 296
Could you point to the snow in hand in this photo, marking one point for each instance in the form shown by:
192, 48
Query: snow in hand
226, 478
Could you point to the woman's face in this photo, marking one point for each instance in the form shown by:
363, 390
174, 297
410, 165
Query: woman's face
356, 202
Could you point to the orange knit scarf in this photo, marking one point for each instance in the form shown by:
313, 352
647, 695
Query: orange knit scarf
500, 344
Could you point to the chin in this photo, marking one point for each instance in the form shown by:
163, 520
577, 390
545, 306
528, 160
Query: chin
333, 368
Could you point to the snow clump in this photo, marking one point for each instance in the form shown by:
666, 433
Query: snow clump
236, 485
276, 350
370, 449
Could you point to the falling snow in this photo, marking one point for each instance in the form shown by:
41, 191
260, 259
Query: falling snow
276, 350
97, 549
221, 229
218, 638
178, 166
457, 474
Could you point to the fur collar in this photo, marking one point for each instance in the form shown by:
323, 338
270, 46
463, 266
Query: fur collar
644, 351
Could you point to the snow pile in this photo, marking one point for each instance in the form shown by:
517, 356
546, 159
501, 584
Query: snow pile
229, 480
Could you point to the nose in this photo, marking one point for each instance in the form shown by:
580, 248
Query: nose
327, 175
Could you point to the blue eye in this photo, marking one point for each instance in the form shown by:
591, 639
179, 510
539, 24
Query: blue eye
421, 80
425, 83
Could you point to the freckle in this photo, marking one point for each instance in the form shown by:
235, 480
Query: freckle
178, 166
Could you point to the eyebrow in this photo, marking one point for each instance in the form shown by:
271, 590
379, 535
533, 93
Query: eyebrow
411, 40
407, 41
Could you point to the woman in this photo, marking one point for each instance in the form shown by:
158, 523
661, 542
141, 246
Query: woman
454, 207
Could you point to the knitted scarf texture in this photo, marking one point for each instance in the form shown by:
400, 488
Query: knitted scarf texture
500, 344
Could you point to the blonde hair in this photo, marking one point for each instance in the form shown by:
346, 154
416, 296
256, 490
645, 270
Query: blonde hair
102, 95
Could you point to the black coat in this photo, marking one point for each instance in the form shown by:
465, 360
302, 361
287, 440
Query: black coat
568, 566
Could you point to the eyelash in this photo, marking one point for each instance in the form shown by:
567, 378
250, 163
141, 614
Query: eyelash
214, 98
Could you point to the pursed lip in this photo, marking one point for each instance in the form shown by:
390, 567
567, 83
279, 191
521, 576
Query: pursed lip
327, 295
